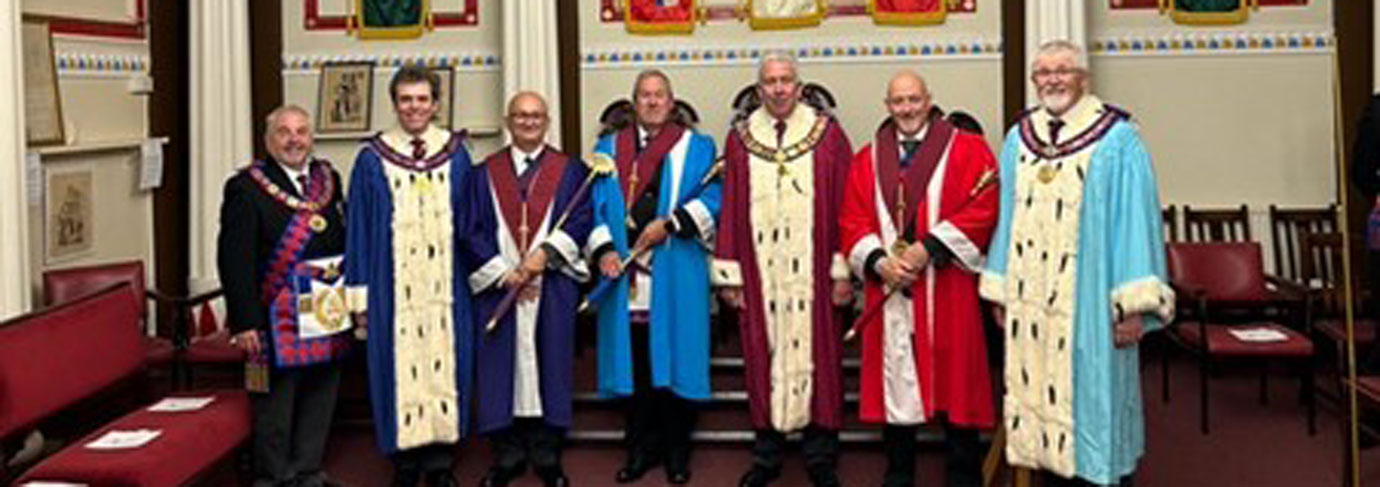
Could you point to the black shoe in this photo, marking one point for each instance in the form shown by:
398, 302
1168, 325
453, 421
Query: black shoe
758, 476
637, 466
823, 476
678, 476
406, 477
441, 478
553, 477
496, 477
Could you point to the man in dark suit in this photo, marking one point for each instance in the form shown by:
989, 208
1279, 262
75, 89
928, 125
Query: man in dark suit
281, 236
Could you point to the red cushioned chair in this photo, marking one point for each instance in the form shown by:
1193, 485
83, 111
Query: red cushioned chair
1225, 289
183, 349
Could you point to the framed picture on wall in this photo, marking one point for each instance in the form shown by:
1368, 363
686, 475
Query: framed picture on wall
345, 97
42, 100
445, 114
67, 214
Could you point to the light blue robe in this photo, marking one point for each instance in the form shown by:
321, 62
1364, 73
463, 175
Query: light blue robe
1121, 261
679, 338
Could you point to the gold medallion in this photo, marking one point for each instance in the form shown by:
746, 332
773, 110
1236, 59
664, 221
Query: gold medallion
317, 223
1047, 173
779, 156
899, 247
330, 309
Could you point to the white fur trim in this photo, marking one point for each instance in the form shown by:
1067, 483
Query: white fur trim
357, 298
704, 221
992, 287
1147, 295
857, 256
838, 267
969, 256
725, 273
488, 274
597, 238
574, 265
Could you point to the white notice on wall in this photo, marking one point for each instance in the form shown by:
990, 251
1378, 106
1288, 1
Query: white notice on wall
151, 165
33, 178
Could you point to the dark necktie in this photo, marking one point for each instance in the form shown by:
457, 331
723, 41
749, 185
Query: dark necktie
780, 132
908, 146
418, 148
302, 184
525, 179
1054, 126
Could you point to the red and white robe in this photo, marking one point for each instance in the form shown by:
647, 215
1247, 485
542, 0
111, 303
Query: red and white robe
925, 353
778, 240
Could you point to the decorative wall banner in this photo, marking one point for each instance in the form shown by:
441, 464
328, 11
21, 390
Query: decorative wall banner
442, 13
910, 12
785, 14
734, 10
1204, 12
68, 214
660, 16
343, 100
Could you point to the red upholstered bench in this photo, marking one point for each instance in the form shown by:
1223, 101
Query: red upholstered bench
57, 357
190, 443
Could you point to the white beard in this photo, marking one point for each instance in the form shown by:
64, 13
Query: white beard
1057, 102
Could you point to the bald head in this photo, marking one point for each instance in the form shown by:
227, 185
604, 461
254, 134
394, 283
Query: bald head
527, 120
908, 101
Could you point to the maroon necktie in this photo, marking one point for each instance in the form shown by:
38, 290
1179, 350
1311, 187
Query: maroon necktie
780, 132
418, 148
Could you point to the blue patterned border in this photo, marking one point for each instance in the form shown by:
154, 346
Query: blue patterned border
100, 64
743, 55
1216, 43
461, 61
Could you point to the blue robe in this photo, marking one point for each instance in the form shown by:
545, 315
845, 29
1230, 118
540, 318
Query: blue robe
1118, 271
679, 308
370, 276
484, 238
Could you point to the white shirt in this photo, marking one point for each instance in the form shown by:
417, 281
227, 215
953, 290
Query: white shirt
520, 158
294, 175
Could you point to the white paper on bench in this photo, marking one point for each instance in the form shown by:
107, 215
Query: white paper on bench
124, 439
47, 483
1258, 335
180, 404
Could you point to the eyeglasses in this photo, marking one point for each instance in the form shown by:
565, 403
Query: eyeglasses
527, 116
1065, 73
912, 99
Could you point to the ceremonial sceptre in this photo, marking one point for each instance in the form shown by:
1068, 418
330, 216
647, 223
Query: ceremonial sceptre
599, 165
987, 179
606, 283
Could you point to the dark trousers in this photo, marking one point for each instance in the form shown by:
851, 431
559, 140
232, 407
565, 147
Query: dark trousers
291, 422
1052, 480
820, 447
659, 422
963, 463
436, 457
1368, 359
528, 440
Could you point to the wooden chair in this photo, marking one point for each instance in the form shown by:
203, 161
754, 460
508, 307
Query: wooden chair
1170, 216
1225, 286
1217, 225
1289, 228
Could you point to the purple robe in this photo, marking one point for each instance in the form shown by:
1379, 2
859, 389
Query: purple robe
482, 240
